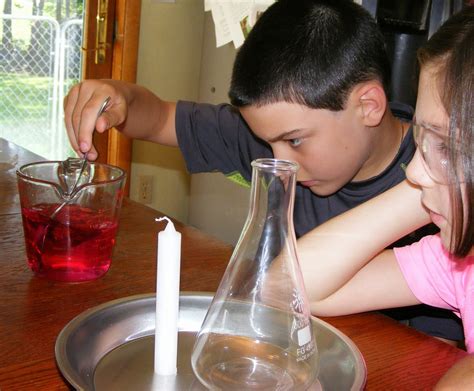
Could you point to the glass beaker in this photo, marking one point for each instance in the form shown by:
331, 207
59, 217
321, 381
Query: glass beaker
258, 333
70, 220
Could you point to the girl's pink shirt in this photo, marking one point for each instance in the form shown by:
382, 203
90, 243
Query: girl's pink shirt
438, 279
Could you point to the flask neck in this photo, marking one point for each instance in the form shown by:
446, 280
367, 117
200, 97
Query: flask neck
272, 197
268, 232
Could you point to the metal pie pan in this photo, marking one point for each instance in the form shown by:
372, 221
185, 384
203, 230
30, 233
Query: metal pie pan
110, 347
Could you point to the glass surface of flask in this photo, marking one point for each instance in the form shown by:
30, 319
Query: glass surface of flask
257, 334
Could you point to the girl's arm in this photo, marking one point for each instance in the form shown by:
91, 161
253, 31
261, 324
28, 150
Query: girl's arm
459, 377
343, 263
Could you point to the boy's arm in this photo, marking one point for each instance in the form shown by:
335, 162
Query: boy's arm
132, 109
334, 257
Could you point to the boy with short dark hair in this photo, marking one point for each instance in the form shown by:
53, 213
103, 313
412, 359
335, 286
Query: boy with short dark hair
312, 53
310, 81
309, 84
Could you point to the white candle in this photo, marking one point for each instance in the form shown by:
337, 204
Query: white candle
167, 299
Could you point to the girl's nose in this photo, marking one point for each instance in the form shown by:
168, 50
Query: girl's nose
416, 171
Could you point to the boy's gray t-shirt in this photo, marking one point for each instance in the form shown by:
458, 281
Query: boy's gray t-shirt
216, 138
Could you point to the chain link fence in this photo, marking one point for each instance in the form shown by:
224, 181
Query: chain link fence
40, 60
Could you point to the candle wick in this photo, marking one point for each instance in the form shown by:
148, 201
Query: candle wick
169, 226
163, 218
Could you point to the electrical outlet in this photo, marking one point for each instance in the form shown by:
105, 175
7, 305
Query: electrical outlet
145, 189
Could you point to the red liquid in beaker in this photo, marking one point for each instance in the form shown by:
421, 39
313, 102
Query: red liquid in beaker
76, 245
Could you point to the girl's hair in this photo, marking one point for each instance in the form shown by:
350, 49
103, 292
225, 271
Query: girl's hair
451, 51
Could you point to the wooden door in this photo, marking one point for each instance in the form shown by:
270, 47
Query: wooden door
119, 62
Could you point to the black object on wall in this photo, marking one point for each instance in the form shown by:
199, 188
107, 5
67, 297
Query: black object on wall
406, 25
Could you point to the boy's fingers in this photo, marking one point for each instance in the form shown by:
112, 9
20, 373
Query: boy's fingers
81, 113
74, 112
68, 106
113, 115
91, 120
92, 154
87, 119
84, 118
81, 108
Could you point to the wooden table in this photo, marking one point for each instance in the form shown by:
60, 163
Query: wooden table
33, 311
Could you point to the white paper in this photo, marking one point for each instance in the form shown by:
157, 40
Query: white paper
167, 300
221, 25
258, 8
234, 13
208, 5
233, 19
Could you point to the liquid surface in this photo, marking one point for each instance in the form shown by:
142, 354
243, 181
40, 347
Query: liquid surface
235, 363
74, 246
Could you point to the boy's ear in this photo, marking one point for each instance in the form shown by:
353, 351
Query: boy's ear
372, 102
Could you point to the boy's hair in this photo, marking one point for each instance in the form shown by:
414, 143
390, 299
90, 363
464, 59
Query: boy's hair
310, 52
451, 51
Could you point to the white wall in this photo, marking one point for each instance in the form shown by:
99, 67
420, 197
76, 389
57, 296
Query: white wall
169, 61
178, 60
217, 205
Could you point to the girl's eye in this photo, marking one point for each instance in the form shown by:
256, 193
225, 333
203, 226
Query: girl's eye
294, 142
441, 148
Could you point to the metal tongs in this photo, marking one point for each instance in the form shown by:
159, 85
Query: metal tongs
70, 166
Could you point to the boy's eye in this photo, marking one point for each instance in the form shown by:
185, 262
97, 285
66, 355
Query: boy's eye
294, 142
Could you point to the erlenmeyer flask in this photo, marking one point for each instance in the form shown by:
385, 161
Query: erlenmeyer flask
257, 333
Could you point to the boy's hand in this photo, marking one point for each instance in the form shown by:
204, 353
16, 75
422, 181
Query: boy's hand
81, 106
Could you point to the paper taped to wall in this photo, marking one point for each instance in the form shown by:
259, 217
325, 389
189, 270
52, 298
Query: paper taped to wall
233, 19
